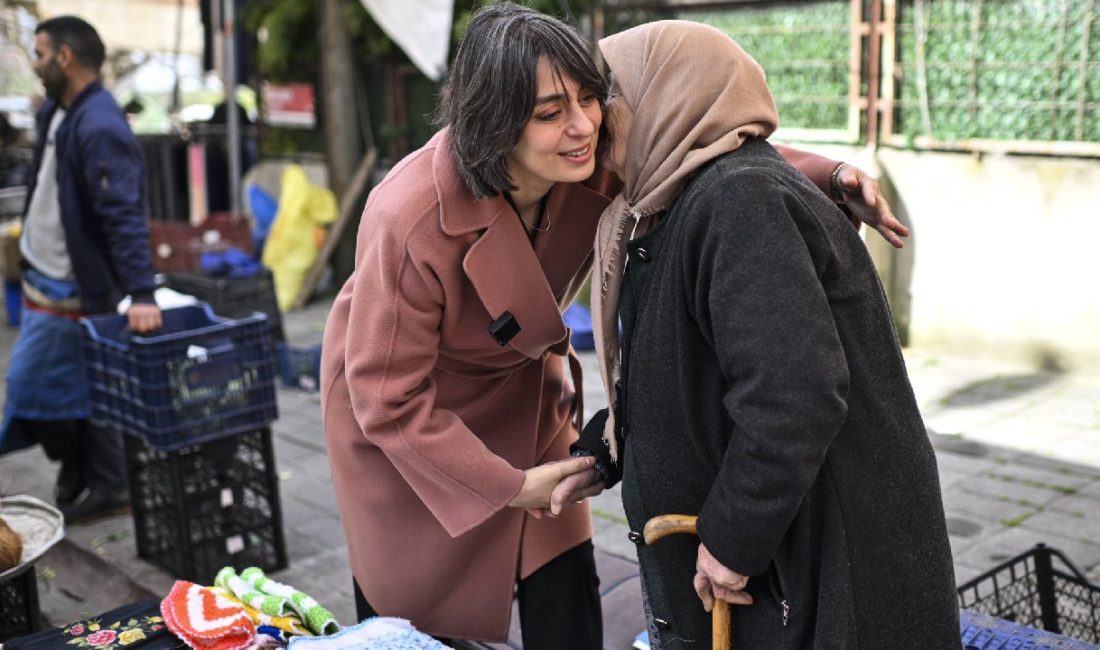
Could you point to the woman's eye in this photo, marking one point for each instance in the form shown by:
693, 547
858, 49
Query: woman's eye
548, 117
588, 100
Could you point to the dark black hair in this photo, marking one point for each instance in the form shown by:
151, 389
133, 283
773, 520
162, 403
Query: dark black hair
80, 36
491, 92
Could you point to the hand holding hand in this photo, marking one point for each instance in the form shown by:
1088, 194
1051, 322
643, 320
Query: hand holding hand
574, 488
540, 481
863, 197
713, 580
144, 317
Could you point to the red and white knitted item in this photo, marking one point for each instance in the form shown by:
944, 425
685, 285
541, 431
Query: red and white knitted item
205, 620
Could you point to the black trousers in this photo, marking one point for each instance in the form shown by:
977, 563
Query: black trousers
559, 605
95, 454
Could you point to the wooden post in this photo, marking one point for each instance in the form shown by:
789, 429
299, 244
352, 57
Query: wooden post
889, 60
1082, 72
875, 51
856, 32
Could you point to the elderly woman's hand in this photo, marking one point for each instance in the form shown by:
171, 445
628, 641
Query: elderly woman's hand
574, 489
862, 195
540, 481
713, 580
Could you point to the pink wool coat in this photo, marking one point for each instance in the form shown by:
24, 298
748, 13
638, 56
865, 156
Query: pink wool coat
429, 421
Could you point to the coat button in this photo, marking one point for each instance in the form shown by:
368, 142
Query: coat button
635, 537
662, 624
642, 254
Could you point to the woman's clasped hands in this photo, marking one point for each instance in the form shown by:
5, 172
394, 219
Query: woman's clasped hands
548, 488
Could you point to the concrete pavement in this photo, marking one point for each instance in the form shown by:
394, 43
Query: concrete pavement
1018, 449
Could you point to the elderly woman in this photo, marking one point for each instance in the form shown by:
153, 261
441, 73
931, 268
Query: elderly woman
447, 410
759, 384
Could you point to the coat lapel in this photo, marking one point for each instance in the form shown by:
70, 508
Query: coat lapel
501, 265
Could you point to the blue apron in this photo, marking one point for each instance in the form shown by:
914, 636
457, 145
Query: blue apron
46, 378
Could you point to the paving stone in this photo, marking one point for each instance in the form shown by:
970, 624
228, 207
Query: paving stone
951, 478
975, 454
983, 508
1081, 505
1059, 466
1041, 477
1012, 491
1011, 434
1081, 528
965, 573
610, 537
1008, 543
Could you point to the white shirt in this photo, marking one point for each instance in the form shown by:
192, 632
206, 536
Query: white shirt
43, 242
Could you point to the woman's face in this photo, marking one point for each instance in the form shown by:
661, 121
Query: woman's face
619, 119
558, 144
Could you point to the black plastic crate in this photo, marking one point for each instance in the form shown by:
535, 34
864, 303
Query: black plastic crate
233, 297
200, 508
1040, 588
197, 378
19, 610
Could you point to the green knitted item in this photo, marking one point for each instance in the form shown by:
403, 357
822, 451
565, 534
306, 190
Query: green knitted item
317, 618
269, 604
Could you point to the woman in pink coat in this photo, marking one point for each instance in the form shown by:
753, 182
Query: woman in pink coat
450, 394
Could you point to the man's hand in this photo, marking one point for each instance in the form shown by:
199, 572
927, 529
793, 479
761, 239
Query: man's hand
540, 481
713, 580
863, 197
575, 488
144, 317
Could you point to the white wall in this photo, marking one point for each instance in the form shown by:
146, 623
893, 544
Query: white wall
1005, 254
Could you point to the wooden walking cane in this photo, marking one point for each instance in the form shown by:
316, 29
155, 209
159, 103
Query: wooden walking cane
662, 526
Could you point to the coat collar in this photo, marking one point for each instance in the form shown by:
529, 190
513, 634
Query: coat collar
508, 274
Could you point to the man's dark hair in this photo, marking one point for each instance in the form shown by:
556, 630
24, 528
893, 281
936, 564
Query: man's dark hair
81, 38
491, 92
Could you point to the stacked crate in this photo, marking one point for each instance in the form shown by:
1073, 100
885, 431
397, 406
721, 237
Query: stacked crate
196, 400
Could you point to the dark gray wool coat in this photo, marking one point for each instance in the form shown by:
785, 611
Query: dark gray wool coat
764, 390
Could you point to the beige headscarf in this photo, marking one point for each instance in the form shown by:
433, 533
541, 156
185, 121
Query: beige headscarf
695, 95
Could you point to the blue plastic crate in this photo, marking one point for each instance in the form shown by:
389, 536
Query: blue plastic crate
578, 319
981, 632
300, 367
1038, 589
198, 378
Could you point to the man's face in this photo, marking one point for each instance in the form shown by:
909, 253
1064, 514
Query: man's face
47, 67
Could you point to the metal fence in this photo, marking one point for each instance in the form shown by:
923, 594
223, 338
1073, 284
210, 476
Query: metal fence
809, 49
1004, 75
1019, 75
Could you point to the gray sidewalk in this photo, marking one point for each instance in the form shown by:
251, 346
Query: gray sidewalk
1018, 450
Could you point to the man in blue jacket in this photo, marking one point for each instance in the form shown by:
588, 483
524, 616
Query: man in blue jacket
85, 246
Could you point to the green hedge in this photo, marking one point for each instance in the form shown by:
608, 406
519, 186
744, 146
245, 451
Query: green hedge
1018, 79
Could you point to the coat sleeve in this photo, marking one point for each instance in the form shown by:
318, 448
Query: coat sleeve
114, 175
391, 348
759, 299
591, 443
818, 169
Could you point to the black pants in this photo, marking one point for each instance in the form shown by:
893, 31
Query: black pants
559, 605
96, 454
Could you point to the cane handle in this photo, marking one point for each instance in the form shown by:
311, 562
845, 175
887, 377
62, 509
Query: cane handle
662, 526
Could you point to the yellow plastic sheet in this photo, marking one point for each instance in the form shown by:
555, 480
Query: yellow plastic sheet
298, 233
